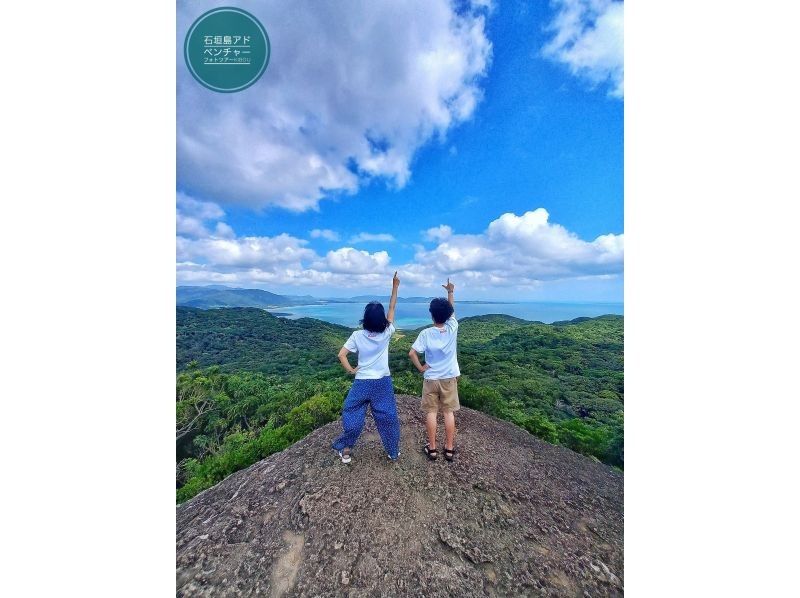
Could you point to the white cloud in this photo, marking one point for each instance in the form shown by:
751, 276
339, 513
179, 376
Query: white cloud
337, 104
198, 273
190, 227
524, 250
514, 251
588, 38
439, 233
224, 231
354, 261
245, 251
374, 237
191, 215
202, 210
324, 233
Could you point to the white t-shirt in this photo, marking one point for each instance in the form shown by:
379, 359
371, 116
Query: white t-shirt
373, 352
439, 346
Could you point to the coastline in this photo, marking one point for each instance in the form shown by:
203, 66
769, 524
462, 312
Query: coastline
414, 315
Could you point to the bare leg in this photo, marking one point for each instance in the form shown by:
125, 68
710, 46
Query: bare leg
449, 429
430, 425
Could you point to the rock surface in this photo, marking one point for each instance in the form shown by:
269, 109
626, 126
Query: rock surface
511, 516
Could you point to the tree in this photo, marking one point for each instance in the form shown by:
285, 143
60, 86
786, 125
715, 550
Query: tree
538, 425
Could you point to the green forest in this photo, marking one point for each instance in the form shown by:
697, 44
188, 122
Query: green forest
249, 384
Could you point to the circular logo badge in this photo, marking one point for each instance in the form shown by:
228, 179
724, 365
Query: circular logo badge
226, 49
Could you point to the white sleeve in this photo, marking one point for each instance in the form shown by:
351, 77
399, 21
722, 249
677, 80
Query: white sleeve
350, 344
452, 323
390, 329
419, 344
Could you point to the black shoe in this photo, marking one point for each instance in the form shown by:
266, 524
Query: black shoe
432, 454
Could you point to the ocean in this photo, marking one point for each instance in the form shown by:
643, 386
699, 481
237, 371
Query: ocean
414, 315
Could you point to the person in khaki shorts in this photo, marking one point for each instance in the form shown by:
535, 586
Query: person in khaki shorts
440, 387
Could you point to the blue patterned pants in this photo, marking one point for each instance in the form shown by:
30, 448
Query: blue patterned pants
379, 395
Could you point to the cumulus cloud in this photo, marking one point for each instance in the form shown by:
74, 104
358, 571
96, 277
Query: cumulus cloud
524, 249
337, 105
324, 233
189, 226
588, 38
192, 214
519, 251
439, 233
202, 210
366, 237
224, 231
209, 251
354, 261
245, 251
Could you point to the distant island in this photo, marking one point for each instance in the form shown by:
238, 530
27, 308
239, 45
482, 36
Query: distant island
212, 296
215, 296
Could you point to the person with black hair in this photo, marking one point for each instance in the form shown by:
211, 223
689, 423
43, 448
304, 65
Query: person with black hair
373, 383
440, 371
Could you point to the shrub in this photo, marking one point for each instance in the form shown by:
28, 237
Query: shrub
481, 398
583, 438
539, 425
310, 415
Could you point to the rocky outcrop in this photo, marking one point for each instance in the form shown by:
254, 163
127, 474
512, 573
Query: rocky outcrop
511, 516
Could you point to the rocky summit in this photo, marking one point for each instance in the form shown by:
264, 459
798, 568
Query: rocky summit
511, 516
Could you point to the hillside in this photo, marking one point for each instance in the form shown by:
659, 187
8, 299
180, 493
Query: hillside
254, 340
250, 384
221, 296
571, 369
512, 516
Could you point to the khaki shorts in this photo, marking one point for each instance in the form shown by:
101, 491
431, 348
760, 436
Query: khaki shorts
440, 394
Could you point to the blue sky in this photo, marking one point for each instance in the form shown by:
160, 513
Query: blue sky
481, 141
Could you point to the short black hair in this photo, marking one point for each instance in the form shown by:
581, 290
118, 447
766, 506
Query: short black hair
374, 317
441, 310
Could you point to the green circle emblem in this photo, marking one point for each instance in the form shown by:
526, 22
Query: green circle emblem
226, 49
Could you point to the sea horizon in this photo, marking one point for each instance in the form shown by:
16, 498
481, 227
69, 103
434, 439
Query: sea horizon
414, 315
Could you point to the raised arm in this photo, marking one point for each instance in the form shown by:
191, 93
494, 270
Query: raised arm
345, 362
450, 292
393, 299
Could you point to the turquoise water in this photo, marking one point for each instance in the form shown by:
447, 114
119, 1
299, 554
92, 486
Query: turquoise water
414, 315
